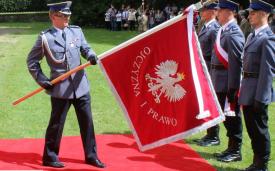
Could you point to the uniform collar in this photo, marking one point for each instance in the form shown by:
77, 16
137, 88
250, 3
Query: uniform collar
258, 30
58, 30
209, 22
227, 24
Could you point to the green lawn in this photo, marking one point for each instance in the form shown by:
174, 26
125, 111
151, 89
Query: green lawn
29, 119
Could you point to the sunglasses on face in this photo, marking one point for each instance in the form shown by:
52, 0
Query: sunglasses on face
62, 15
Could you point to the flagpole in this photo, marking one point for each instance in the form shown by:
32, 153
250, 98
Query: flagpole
55, 81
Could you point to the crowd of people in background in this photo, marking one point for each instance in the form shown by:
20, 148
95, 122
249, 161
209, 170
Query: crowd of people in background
141, 19
145, 18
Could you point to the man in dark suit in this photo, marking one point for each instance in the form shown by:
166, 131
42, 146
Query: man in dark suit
62, 45
207, 38
258, 74
226, 66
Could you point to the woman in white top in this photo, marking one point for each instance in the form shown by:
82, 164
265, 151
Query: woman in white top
107, 20
132, 18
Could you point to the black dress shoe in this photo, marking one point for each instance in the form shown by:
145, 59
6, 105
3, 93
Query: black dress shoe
200, 139
96, 163
224, 153
230, 157
53, 164
209, 142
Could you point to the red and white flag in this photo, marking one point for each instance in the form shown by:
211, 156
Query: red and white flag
161, 83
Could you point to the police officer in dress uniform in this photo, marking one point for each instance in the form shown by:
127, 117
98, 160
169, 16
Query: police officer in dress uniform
226, 79
208, 33
207, 38
256, 88
62, 45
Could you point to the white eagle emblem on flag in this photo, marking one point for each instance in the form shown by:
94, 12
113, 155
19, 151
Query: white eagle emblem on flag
166, 82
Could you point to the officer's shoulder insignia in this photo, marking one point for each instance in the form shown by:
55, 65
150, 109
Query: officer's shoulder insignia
45, 31
73, 26
269, 33
234, 28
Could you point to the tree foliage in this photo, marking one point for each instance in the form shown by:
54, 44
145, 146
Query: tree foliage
38, 5
14, 5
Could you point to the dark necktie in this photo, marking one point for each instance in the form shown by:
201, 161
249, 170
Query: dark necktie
222, 31
203, 28
253, 35
250, 38
64, 35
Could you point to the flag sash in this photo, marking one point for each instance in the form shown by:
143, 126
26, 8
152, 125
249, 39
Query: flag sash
222, 55
219, 51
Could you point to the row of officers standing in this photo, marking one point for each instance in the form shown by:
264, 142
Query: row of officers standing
242, 73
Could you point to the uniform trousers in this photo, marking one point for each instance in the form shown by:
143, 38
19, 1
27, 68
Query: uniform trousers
54, 131
256, 120
233, 124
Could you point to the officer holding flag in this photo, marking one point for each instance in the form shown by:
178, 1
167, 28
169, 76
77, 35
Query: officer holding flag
62, 45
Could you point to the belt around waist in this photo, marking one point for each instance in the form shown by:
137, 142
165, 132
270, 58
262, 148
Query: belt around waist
217, 67
250, 75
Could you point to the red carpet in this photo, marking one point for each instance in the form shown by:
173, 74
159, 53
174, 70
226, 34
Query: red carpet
118, 152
